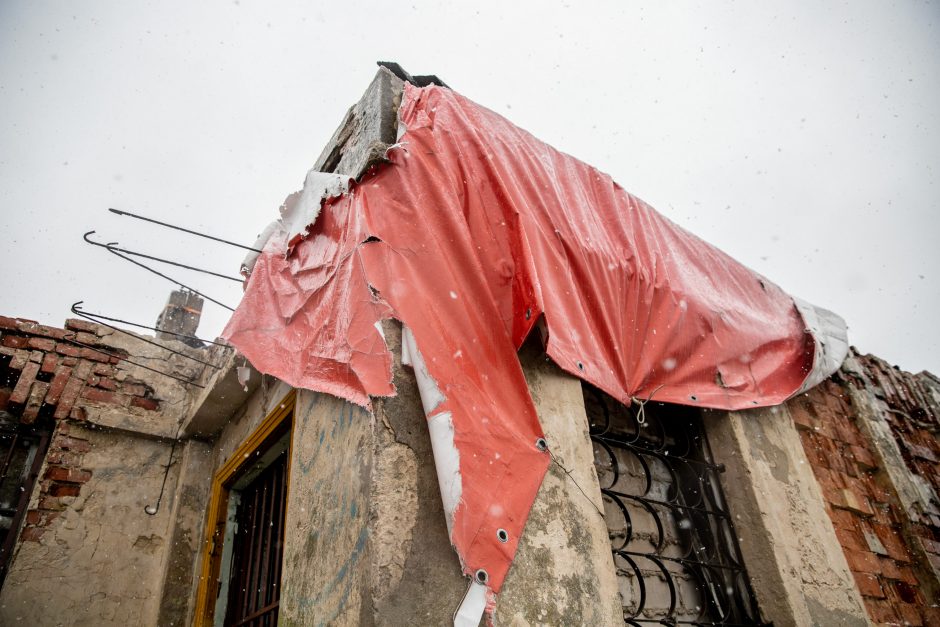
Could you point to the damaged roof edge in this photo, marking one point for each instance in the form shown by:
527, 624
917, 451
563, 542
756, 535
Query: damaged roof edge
367, 130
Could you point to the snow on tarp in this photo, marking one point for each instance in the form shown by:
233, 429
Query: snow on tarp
472, 232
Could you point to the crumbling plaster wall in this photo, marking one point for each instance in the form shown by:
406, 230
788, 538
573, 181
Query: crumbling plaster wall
325, 571
366, 540
101, 561
188, 504
88, 553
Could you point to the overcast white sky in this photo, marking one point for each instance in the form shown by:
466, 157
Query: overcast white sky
801, 138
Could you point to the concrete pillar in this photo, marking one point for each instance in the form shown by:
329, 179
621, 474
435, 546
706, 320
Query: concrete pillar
797, 567
564, 572
187, 500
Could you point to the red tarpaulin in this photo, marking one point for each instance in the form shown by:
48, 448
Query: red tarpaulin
473, 231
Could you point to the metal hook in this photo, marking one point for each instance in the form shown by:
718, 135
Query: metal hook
110, 247
77, 310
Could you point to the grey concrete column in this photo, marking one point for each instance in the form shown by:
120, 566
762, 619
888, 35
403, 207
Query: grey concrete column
564, 572
791, 552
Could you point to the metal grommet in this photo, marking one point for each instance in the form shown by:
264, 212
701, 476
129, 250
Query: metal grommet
481, 576
502, 535
580, 366
693, 397
541, 444
528, 314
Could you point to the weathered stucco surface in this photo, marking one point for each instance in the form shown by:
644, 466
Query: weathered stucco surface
415, 573
101, 561
188, 500
563, 573
175, 397
791, 551
325, 577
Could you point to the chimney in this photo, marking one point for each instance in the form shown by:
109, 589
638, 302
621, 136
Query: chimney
180, 317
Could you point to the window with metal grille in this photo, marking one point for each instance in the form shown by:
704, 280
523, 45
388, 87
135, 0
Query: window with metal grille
258, 507
241, 581
675, 548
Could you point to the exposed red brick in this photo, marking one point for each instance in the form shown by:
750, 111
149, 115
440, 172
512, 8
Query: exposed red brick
910, 614
82, 325
32, 328
69, 394
49, 362
34, 402
868, 585
8, 323
25, 382
69, 475
97, 395
33, 517
68, 443
862, 561
103, 370
78, 413
863, 457
851, 539
32, 534
881, 611
843, 518
68, 349
41, 343
893, 542
64, 489
70, 361
802, 419
14, 341
106, 384
145, 403
64, 458
889, 569
57, 385
931, 615
72, 389
94, 355
847, 499
20, 359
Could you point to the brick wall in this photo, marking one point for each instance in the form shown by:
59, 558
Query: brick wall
875, 532
48, 376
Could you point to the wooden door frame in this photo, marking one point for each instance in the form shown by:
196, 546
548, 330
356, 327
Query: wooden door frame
218, 503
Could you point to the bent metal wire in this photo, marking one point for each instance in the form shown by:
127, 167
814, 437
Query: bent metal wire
674, 544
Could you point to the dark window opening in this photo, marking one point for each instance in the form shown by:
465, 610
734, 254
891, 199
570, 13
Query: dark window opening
249, 590
22, 448
675, 547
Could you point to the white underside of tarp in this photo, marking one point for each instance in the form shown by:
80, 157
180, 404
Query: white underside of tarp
832, 342
298, 213
471, 609
440, 426
301, 209
447, 465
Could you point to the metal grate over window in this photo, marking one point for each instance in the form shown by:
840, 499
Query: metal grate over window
675, 548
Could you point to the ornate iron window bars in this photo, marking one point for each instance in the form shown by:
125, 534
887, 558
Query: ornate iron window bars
675, 548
